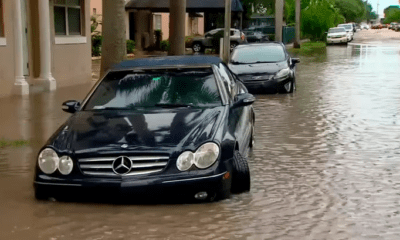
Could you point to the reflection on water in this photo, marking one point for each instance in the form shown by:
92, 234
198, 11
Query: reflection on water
324, 165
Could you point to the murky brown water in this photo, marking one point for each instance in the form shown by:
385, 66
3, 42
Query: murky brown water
325, 165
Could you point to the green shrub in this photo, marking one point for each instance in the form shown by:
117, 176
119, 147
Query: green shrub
96, 45
165, 45
130, 46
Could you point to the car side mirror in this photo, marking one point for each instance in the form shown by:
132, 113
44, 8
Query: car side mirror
71, 106
295, 60
244, 99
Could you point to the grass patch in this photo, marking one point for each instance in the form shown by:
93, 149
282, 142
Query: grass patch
17, 143
308, 47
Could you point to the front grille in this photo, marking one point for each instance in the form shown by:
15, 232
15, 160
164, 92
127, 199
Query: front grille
252, 78
103, 166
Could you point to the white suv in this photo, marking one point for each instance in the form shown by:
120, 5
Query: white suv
349, 29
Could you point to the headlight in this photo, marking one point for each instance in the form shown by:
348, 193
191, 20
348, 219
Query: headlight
284, 73
204, 157
66, 165
48, 161
185, 161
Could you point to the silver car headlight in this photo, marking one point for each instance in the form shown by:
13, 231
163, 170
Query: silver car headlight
185, 161
282, 74
66, 165
206, 155
48, 161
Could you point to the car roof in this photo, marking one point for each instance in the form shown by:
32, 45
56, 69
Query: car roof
337, 28
259, 44
169, 61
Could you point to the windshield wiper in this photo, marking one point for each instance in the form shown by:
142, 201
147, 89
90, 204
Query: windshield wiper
173, 105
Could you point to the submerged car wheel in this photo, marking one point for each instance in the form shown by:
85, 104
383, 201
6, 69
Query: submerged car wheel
240, 175
197, 47
289, 87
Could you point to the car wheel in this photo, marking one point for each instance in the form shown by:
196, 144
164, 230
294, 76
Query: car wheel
289, 87
240, 174
233, 45
252, 141
197, 47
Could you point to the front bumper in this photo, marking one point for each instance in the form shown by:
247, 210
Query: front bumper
337, 40
266, 86
182, 185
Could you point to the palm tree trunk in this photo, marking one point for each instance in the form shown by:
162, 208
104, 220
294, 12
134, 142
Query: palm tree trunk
114, 37
298, 22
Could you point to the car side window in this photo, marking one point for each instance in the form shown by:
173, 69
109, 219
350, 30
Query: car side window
228, 80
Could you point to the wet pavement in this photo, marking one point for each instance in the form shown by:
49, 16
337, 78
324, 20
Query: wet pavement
325, 164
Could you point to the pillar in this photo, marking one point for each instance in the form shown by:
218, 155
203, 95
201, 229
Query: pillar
45, 77
227, 32
297, 27
177, 26
21, 87
278, 20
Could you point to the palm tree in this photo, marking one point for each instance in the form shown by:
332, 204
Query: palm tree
114, 37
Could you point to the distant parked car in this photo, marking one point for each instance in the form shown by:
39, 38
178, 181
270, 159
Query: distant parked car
201, 43
397, 27
265, 67
365, 26
254, 36
337, 35
392, 25
349, 29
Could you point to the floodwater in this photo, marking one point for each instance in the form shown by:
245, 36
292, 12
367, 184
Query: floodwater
325, 164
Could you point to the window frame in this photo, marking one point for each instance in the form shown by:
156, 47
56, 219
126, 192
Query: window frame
81, 20
155, 21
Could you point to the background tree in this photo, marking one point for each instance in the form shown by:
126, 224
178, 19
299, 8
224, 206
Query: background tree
352, 10
392, 15
114, 35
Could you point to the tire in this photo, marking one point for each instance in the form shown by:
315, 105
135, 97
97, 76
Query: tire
291, 88
252, 141
197, 47
233, 45
240, 174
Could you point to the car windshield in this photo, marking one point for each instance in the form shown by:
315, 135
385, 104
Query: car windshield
346, 26
336, 30
259, 54
156, 88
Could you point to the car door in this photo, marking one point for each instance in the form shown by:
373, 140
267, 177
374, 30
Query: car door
241, 117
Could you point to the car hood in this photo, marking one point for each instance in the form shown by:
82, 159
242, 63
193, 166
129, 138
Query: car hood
337, 34
258, 68
157, 130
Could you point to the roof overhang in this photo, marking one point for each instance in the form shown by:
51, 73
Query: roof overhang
191, 5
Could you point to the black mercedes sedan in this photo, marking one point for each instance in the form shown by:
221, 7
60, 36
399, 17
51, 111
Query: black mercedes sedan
171, 126
265, 67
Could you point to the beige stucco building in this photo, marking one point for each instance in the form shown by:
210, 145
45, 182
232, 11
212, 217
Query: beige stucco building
44, 44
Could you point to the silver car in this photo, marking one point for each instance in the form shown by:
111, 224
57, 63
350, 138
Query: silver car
201, 43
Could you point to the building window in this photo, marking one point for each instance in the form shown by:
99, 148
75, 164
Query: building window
1, 19
68, 17
157, 22
94, 11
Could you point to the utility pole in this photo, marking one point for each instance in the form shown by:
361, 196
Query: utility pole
296, 43
177, 9
227, 32
377, 11
278, 20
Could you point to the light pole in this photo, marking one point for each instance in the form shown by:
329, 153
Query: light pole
278, 20
296, 43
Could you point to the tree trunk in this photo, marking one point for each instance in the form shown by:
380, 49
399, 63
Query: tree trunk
114, 34
298, 22
177, 26
279, 4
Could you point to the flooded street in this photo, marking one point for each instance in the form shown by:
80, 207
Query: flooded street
325, 164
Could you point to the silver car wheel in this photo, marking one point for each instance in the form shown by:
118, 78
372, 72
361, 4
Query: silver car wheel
196, 47
288, 86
